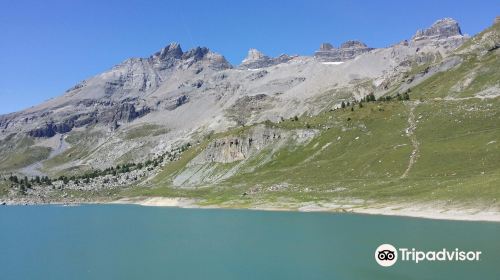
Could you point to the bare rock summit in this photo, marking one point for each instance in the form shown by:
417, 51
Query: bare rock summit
256, 59
441, 29
347, 51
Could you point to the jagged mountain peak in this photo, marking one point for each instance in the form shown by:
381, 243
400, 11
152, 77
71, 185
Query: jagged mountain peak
442, 28
348, 50
326, 47
257, 59
196, 53
172, 50
254, 54
353, 44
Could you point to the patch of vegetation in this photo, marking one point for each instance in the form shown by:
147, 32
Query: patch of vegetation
145, 130
4, 187
134, 153
484, 40
23, 155
165, 177
470, 77
82, 144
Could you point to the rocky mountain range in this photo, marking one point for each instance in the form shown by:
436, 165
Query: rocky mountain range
171, 77
199, 90
147, 108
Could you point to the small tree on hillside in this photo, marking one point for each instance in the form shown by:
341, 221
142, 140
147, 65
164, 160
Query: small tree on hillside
370, 97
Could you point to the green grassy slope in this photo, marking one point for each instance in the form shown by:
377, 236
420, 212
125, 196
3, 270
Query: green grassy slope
363, 154
472, 76
17, 152
81, 144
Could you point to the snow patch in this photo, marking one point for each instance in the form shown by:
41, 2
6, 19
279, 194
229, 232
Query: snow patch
332, 63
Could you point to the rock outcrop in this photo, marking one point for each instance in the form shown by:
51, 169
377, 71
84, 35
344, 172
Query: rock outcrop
254, 55
109, 115
242, 147
256, 59
172, 51
235, 148
443, 34
172, 55
441, 29
348, 50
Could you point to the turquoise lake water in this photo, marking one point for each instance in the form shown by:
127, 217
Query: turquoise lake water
134, 242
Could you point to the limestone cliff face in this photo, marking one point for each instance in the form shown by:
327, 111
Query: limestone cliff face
443, 34
442, 28
259, 142
236, 148
110, 115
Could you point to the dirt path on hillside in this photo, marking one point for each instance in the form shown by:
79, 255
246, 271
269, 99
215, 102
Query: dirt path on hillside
410, 132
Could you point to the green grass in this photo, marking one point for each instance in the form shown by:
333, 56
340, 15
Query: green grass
459, 138
482, 70
165, 177
364, 148
133, 154
4, 187
485, 39
365, 156
145, 130
82, 144
24, 156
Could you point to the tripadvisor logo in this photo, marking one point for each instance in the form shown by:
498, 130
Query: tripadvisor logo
387, 255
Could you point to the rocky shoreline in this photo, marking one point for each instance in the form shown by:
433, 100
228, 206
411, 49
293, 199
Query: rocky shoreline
426, 211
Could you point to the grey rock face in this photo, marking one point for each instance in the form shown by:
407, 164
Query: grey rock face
173, 55
325, 47
108, 115
348, 50
172, 51
353, 44
231, 149
116, 96
256, 59
51, 129
443, 34
215, 61
442, 28
253, 55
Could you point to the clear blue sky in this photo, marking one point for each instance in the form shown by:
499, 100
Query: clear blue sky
48, 46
